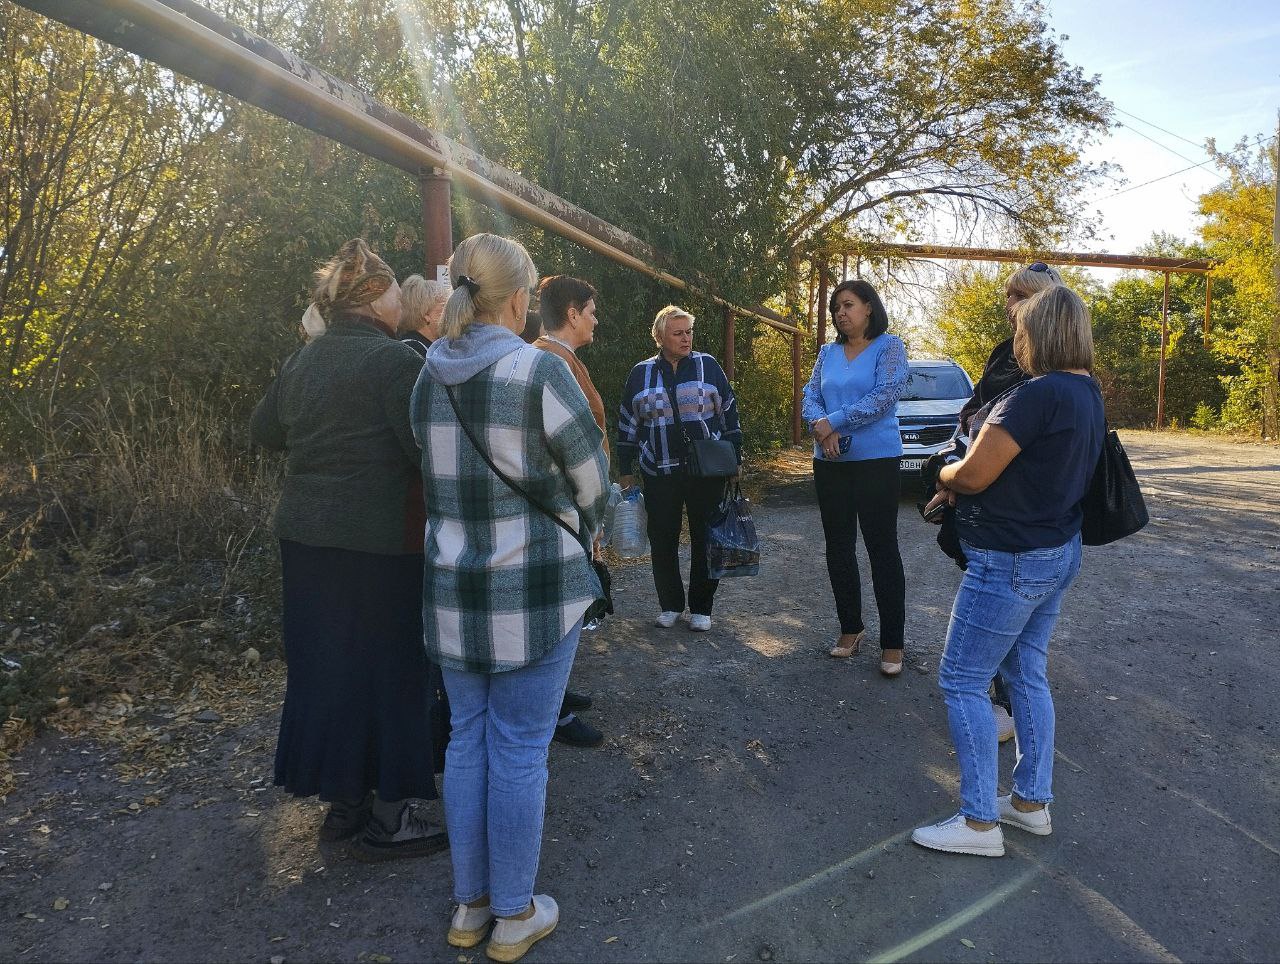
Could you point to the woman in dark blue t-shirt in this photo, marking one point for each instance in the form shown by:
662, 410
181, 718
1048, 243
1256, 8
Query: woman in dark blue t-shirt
1017, 498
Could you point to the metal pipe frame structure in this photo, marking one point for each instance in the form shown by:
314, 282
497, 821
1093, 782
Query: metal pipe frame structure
191, 40
1168, 266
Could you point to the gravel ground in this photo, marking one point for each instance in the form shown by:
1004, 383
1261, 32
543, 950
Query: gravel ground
754, 797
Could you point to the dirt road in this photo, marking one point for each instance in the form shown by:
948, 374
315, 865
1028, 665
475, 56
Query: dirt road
754, 797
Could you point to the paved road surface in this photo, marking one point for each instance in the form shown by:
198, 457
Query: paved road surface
754, 799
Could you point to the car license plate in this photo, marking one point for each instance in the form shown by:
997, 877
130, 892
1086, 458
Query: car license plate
910, 465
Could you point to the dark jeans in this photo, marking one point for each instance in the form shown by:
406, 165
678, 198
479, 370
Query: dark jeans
666, 500
863, 494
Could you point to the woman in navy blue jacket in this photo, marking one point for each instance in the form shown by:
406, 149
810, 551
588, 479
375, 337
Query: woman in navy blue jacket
678, 392
849, 405
1017, 495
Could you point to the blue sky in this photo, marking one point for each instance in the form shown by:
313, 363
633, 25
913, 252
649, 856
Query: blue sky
1196, 69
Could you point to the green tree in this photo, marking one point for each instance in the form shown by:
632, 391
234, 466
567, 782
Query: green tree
970, 317
1238, 231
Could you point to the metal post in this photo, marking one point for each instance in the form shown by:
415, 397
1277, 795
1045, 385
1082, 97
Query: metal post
822, 306
812, 290
1208, 301
437, 223
728, 342
796, 432
1164, 345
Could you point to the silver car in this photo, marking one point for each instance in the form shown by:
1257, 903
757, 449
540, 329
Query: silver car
929, 410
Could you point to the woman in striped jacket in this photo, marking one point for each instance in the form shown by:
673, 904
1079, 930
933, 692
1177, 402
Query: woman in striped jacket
505, 587
679, 393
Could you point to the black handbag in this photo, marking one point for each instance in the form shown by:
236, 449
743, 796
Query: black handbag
603, 603
1113, 505
704, 458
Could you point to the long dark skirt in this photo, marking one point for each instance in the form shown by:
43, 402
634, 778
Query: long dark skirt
359, 691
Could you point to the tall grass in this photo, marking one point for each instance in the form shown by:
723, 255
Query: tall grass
137, 550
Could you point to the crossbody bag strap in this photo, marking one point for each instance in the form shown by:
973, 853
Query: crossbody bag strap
519, 490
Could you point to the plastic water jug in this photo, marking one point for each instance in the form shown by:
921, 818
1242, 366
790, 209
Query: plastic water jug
630, 526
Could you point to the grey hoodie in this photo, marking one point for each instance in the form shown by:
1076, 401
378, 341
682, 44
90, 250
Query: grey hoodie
452, 361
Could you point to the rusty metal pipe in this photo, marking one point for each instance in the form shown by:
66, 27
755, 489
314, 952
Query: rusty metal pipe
195, 42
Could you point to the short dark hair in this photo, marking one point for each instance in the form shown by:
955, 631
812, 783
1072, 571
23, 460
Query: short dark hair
557, 294
878, 323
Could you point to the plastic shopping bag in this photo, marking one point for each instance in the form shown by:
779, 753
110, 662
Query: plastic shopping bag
733, 548
631, 526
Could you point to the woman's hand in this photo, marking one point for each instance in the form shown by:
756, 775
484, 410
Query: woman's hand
831, 445
821, 429
944, 496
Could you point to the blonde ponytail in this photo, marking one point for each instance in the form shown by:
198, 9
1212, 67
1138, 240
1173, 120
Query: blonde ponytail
485, 271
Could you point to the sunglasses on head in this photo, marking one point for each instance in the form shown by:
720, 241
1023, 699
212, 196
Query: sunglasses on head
1037, 266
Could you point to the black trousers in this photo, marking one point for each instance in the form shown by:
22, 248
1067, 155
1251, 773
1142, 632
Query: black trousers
853, 495
667, 499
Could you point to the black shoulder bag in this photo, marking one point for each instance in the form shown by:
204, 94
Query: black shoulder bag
603, 604
704, 458
1113, 504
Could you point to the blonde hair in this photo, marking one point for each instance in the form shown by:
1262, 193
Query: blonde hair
1024, 282
496, 268
1054, 332
662, 317
418, 296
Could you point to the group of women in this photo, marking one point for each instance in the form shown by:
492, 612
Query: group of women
445, 489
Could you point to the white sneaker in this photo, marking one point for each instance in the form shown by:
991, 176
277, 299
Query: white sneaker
512, 939
666, 619
954, 836
470, 925
1004, 723
699, 623
1037, 822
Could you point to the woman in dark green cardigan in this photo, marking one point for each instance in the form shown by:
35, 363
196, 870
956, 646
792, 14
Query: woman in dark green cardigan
354, 729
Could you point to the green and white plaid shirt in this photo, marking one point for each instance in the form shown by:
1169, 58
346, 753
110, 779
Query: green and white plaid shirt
503, 583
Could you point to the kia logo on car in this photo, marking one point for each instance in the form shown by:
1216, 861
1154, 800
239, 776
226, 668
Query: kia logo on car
911, 436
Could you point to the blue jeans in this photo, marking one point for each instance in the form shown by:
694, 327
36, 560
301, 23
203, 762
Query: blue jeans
1000, 623
495, 775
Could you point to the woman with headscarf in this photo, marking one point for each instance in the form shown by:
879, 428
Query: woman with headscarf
354, 729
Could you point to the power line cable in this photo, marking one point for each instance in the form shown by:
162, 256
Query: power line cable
1126, 113
1133, 187
1133, 130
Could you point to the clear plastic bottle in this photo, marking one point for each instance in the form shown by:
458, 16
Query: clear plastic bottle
630, 526
615, 496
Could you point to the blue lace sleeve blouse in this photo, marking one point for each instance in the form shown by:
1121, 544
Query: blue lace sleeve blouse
859, 397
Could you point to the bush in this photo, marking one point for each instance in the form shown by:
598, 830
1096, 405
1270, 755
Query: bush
138, 551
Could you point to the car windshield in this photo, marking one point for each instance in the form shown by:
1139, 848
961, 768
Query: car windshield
928, 384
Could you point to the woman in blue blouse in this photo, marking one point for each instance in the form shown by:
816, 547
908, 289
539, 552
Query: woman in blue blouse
849, 406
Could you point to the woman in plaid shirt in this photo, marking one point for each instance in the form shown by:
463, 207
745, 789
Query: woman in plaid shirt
505, 588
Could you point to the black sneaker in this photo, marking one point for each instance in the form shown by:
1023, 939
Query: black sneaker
578, 733
413, 837
345, 820
575, 701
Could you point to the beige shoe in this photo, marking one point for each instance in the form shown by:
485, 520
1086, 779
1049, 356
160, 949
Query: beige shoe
891, 666
512, 938
845, 651
470, 925
1004, 723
